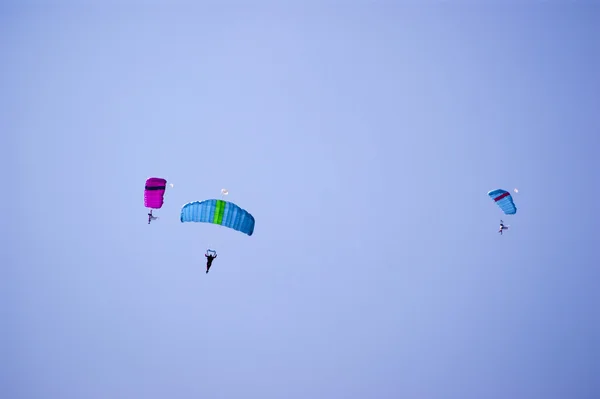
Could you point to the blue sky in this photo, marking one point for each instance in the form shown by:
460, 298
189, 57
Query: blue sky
363, 138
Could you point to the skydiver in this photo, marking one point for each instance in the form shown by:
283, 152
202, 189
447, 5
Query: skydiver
150, 217
209, 260
502, 227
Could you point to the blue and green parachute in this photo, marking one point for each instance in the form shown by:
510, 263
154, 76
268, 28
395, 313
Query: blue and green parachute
215, 211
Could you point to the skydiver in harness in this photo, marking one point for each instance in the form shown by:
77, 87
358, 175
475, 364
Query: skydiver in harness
150, 217
209, 258
502, 227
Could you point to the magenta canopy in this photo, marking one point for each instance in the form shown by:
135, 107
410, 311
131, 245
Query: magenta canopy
154, 192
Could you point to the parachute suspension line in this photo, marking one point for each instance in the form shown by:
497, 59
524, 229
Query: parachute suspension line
210, 251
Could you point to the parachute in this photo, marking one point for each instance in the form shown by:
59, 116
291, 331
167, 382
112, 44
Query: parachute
224, 213
154, 192
504, 201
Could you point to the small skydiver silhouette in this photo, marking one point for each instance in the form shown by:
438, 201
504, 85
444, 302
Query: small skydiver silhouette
209, 260
502, 227
150, 217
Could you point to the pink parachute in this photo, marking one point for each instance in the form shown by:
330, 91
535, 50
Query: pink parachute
154, 193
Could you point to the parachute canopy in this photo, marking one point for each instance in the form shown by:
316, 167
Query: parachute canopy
220, 212
154, 192
504, 201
